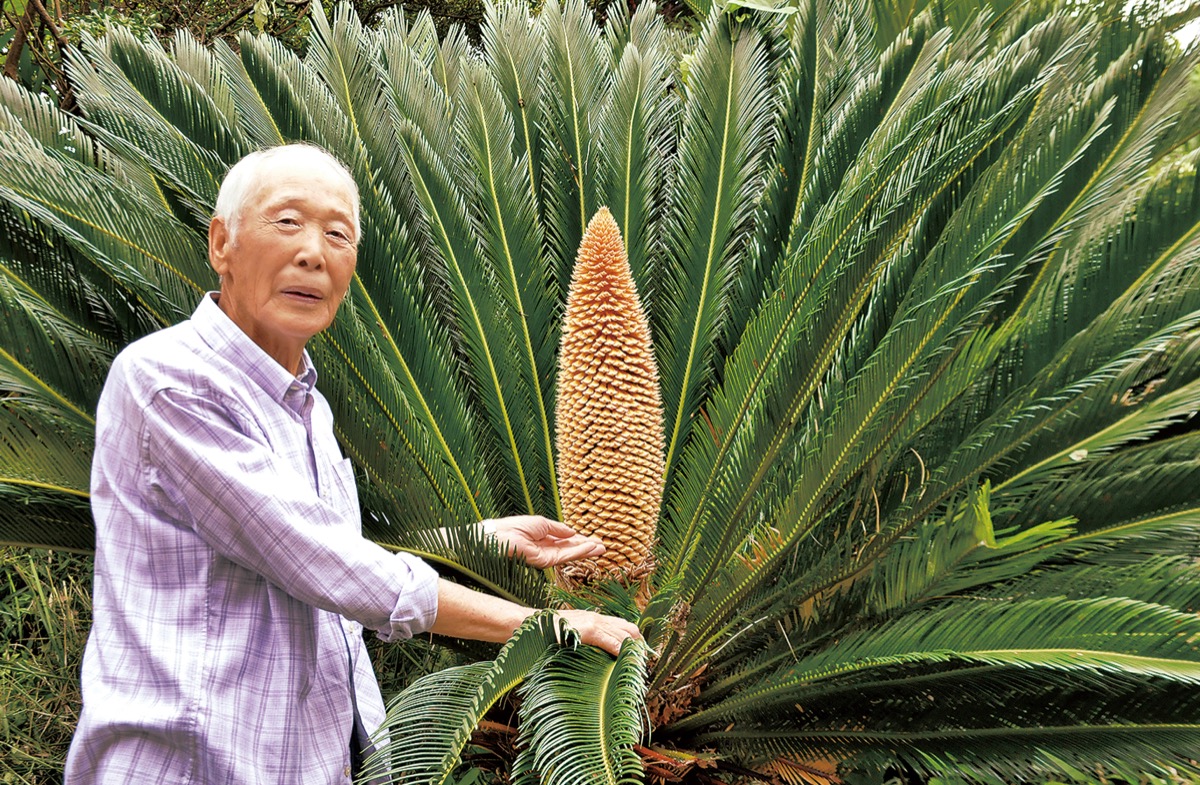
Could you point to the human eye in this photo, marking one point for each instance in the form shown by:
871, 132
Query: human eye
338, 235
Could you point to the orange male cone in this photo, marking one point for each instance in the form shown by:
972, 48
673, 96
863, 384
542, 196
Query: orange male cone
609, 428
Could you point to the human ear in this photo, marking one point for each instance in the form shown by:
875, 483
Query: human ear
218, 245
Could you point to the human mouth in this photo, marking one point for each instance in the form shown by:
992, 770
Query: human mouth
303, 294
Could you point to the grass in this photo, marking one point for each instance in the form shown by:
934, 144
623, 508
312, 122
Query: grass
45, 615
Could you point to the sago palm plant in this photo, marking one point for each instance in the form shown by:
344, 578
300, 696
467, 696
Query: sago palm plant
926, 322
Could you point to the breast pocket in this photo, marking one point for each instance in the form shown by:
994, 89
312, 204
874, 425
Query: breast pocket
344, 493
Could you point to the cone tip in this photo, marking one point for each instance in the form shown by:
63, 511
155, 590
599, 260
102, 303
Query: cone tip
601, 216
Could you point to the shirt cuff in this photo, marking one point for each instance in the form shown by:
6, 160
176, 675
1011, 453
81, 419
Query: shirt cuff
416, 607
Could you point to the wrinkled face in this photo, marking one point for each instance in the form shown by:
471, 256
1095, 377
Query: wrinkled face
288, 266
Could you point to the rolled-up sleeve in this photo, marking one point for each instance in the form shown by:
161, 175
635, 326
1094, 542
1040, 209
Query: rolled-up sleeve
415, 609
211, 472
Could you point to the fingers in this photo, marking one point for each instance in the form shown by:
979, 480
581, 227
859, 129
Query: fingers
584, 549
603, 632
559, 529
535, 527
612, 633
543, 542
532, 525
558, 553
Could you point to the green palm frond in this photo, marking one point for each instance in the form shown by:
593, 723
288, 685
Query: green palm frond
420, 394
391, 300
515, 50
42, 120
825, 571
774, 351
512, 246
49, 371
1161, 580
1157, 414
70, 362
1010, 428
925, 322
581, 717
129, 234
725, 130
432, 721
578, 67
1084, 632
146, 105
46, 467
373, 384
939, 694
486, 334
495, 361
953, 556
1141, 479
635, 126
279, 81
1009, 754
956, 555
227, 70
1131, 540
833, 82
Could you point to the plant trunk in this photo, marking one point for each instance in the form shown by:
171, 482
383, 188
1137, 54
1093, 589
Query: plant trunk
12, 61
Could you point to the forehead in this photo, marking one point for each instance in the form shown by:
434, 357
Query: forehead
315, 187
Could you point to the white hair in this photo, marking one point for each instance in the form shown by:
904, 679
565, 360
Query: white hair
246, 174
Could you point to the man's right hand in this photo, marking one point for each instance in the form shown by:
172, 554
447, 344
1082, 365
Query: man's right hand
466, 613
595, 629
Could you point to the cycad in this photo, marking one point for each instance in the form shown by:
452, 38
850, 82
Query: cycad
926, 327
608, 421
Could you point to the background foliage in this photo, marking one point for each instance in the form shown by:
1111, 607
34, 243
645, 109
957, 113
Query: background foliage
44, 618
35, 34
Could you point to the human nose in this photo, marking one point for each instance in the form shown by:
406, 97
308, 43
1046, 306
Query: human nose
311, 252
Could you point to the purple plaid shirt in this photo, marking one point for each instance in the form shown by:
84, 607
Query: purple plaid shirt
231, 573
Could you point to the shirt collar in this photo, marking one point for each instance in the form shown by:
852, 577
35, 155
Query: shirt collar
227, 339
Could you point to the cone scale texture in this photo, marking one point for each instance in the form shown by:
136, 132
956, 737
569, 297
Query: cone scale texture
609, 416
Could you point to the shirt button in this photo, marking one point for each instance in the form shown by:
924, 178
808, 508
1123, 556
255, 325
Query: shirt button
346, 771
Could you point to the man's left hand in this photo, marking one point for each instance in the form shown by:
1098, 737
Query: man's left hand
543, 542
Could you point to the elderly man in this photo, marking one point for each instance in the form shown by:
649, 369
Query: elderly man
231, 572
